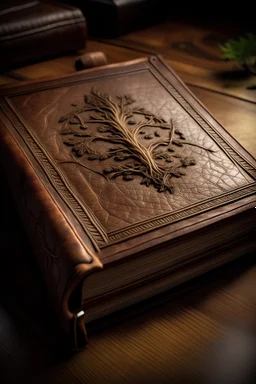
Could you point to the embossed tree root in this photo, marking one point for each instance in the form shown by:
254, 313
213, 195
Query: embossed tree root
127, 128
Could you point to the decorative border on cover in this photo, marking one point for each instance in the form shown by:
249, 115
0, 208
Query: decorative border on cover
207, 127
90, 224
182, 213
87, 219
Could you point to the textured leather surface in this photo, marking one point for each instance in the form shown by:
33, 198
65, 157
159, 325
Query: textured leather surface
78, 216
112, 205
117, 204
33, 30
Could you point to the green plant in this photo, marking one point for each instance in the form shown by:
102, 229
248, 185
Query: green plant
241, 50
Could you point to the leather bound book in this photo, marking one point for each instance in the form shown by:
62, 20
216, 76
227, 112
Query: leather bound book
126, 184
35, 30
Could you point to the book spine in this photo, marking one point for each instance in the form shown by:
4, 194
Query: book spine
64, 260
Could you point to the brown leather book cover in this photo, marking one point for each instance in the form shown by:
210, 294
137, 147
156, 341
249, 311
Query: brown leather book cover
126, 184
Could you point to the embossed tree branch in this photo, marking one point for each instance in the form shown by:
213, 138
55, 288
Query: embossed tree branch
127, 129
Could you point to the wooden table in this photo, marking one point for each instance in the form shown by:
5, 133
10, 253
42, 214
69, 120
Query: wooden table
202, 332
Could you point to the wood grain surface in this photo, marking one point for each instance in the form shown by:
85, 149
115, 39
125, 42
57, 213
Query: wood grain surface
193, 51
202, 332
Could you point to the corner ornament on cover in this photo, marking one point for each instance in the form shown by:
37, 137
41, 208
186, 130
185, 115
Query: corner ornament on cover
140, 143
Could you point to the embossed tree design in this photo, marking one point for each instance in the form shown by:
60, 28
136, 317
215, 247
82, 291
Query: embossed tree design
134, 136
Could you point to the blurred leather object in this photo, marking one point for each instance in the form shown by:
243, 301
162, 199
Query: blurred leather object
111, 18
35, 30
